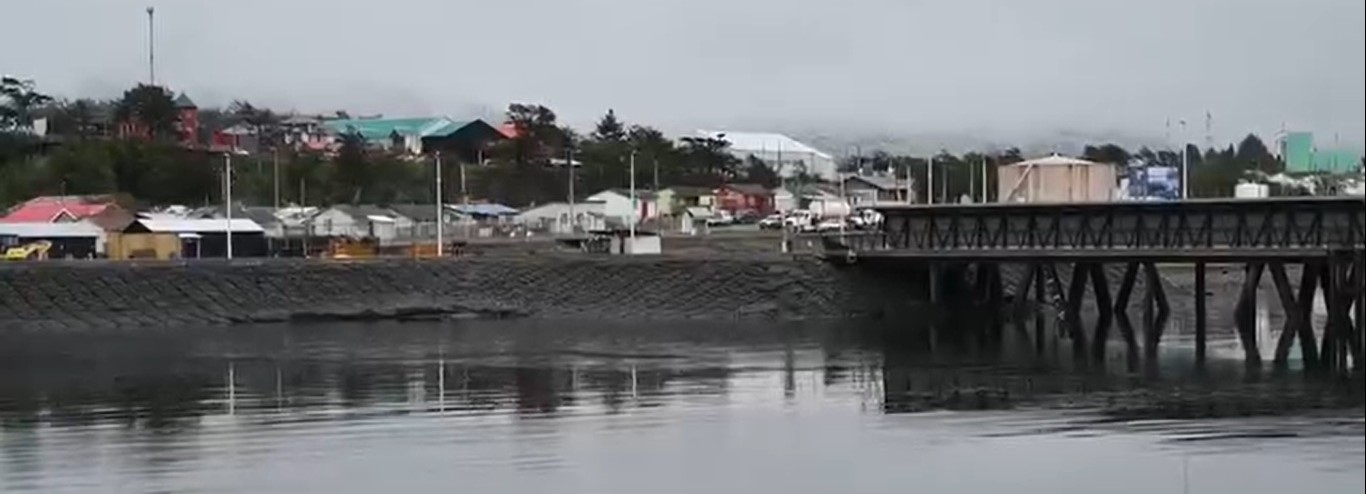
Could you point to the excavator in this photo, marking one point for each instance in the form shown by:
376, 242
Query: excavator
33, 251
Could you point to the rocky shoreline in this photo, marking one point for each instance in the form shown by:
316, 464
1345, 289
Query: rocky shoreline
63, 296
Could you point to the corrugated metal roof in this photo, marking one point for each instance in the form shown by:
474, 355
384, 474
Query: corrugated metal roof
200, 226
762, 142
1055, 160
184, 101
46, 209
383, 128
485, 209
50, 230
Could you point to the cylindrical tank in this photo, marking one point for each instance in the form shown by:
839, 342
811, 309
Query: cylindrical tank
1251, 191
830, 209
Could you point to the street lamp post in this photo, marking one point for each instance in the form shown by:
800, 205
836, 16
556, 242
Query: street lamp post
151, 47
227, 197
1185, 164
440, 209
634, 206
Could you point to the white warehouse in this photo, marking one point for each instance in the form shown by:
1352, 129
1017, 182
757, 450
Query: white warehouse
780, 152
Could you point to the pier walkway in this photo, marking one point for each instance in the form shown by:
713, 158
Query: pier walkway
1324, 236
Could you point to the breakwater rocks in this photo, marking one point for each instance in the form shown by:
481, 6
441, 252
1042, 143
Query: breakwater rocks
91, 295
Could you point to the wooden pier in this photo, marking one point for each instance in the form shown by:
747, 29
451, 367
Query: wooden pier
1323, 236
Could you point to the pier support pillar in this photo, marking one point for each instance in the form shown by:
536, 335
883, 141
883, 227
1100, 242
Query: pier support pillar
1100, 282
1246, 314
1075, 293
1201, 316
1126, 326
1040, 301
1298, 310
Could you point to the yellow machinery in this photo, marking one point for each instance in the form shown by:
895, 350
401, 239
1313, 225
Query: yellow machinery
36, 251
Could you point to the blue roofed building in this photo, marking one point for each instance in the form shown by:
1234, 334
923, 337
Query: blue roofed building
458, 139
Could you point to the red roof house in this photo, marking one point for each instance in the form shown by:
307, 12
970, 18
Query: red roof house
741, 198
58, 209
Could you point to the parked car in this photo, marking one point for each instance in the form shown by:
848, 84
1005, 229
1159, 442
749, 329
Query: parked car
748, 217
721, 218
772, 222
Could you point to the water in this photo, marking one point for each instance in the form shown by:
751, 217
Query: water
521, 406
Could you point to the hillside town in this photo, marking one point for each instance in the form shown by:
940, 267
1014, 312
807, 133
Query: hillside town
299, 185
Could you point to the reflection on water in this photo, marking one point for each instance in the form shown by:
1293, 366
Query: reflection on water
521, 406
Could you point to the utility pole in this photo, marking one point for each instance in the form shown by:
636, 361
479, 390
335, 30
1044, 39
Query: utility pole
929, 177
633, 201
972, 183
909, 186
569, 161
151, 47
440, 209
464, 190
227, 197
275, 152
1185, 164
796, 200
984, 179
303, 209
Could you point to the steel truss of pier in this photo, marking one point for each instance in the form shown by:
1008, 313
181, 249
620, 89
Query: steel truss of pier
1324, 237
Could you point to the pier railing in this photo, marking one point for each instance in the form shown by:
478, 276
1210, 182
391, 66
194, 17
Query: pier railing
1279, 227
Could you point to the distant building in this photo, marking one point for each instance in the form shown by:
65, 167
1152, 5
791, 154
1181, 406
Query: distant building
75, 240
802, 196
1058, 179
359, 222
561, 218
743, 198
1301, 155
461, 139
674, 200
193, 238
872, 190
59, 209
186, 125
783, 154
617, 206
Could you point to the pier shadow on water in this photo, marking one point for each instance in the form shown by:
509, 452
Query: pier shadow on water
170, 409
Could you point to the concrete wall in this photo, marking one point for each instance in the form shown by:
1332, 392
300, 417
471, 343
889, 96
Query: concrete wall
61, 296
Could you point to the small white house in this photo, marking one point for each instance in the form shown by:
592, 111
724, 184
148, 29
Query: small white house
374, 222
560, 218
787, 199
693, 220
617, 205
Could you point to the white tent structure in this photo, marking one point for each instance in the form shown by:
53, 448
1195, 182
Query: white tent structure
780, 152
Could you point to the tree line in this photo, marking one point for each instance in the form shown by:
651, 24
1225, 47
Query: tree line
80, 156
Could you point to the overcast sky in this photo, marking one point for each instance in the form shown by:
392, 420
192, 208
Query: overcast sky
887, 66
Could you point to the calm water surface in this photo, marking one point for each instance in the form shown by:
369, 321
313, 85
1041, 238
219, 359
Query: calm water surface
513, 407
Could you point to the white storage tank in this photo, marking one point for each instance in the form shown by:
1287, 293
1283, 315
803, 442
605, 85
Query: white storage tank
1057, 179
1248, 190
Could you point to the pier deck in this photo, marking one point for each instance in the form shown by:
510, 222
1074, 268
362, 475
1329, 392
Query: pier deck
1326, 236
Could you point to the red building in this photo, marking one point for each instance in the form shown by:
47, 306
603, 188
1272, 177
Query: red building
186, 127
58, 209
744, 198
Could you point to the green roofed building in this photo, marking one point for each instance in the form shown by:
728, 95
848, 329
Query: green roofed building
419, 135
1300, 155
